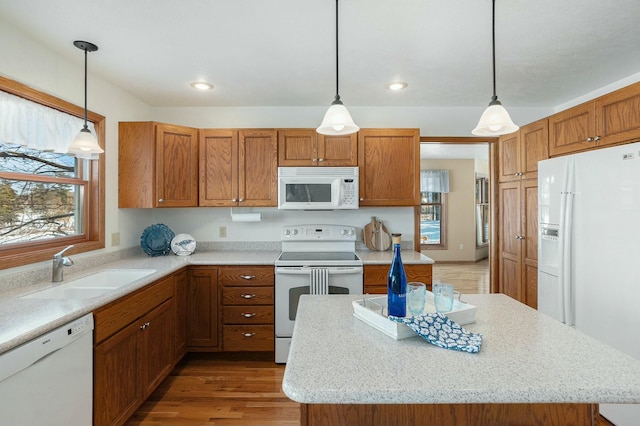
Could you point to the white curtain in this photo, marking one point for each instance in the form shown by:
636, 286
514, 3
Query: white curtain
434, 180
36, 126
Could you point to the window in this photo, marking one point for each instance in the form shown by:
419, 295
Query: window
48, 200
434, 186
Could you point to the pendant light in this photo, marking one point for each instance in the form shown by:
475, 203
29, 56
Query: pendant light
337, 120
85, 145
495, 120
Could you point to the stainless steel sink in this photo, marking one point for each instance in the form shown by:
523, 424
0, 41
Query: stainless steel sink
93, 285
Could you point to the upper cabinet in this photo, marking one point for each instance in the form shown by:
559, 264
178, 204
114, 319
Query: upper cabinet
389, 162
157, 165
610, 119
519, 152
238, 167
306, 147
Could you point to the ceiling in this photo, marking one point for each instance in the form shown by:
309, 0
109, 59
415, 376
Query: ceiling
282, 52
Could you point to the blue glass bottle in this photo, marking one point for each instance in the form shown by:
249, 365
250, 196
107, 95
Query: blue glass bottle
397, 282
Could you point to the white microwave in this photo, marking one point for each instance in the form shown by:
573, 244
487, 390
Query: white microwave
317, 188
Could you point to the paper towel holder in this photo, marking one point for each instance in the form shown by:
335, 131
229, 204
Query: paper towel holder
245, 217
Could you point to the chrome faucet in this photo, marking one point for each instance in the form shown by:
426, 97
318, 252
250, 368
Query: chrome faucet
59, 261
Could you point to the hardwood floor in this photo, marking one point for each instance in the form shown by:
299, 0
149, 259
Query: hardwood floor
466, 277
221, 389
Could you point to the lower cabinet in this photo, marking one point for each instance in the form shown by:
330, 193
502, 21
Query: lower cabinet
202, 309
375, 276
180, 309
133, 350
247, 306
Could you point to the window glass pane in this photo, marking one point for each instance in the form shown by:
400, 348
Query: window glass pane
20, 159
430, 222
32, 211
430, 197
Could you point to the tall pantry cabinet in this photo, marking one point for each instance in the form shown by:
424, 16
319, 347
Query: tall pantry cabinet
519, 153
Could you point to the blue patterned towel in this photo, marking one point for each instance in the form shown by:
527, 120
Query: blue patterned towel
439, 330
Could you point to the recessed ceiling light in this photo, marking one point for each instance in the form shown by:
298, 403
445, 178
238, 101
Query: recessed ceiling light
398, 85
201, 85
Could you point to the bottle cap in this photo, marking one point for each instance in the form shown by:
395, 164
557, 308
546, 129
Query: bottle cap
395, 238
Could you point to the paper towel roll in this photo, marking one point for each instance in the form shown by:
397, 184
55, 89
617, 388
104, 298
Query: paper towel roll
246, 217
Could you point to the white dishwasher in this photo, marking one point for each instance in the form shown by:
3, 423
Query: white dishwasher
49, 380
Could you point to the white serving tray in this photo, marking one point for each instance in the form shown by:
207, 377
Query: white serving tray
373, 311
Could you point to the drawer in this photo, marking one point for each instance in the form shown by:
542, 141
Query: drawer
377, 274
258, 314
247, 275
247, 295
248, 338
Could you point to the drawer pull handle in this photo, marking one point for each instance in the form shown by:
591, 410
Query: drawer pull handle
247, 277
248, 315
145, 325
248, 296
248, 334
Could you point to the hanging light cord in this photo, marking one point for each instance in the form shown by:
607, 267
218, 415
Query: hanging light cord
85, 90
494, 99
337, 100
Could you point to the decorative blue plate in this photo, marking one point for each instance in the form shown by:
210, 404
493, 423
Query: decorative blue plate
156, 240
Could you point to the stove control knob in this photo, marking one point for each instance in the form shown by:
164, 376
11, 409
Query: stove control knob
295, 232
286, 232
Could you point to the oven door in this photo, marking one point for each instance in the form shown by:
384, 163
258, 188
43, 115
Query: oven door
294, 281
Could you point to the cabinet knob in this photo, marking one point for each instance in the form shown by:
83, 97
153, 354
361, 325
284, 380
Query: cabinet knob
597, 138
314, 159
247, 277
241, 199
589, 139
248, 315
361, 199
320, 159
248, 296
161, 200
233, 200
248, 334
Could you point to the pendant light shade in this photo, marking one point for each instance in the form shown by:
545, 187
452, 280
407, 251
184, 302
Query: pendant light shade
85, 145
337, 120
495, 120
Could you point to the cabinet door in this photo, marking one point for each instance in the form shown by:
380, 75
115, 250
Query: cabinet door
389, 162
509, 157
509, 245
218, 168
618, 116
156, 357
338, 151
258, 168
136, 164
176, 166
572, 130
180, 297
375, 276
534, 146
203, 308
297, 147
529, 245
116, 383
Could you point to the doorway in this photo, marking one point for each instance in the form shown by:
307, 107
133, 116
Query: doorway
455, 226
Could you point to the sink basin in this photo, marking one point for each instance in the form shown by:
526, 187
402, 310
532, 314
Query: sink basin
92, 285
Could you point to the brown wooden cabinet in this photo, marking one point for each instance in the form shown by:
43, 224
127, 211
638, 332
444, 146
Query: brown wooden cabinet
181, 312
389, 162
157, 165
202, 303
518, 241
519, 152
375, 276
608, 120
306, 147
247, 306
238, 167
133, 350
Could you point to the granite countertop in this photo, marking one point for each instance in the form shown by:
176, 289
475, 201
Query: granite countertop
24, 319
526, 357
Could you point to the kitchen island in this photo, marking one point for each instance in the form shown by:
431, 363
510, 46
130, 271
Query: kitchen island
531, 369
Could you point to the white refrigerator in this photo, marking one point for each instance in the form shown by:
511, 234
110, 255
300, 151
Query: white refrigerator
589, 250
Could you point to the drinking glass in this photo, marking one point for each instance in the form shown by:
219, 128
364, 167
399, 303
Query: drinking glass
416, 297
443, 297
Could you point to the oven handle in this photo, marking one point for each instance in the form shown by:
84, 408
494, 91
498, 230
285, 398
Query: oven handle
306, 270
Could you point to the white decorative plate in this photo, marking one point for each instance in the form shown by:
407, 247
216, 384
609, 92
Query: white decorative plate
183, 244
